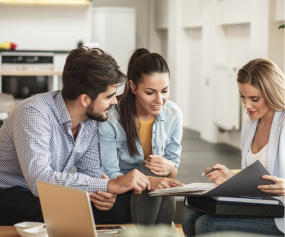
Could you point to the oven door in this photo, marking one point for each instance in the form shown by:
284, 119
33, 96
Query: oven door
22, 87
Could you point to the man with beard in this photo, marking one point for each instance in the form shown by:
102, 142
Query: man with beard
49, 134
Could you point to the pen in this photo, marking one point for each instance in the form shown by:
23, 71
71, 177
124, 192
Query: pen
209, 171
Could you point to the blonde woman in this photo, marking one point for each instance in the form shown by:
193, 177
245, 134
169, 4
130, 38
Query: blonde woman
261, 85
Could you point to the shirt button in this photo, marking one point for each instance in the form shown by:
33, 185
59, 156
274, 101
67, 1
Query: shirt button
153, 147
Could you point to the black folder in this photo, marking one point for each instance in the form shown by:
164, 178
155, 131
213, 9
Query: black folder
253, 207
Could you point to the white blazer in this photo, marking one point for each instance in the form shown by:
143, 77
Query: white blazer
275, 152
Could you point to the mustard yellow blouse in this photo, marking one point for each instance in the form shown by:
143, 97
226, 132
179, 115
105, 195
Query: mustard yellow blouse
145, 135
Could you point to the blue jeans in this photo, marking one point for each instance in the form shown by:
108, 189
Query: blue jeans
195, 223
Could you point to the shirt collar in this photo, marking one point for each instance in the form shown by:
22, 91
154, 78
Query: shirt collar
63, 114
161, 115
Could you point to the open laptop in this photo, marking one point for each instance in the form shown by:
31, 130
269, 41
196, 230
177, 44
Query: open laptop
66, 211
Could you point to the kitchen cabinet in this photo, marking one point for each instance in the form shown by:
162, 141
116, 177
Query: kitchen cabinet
113, 28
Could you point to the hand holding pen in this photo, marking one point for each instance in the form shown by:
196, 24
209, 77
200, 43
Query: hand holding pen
217, 173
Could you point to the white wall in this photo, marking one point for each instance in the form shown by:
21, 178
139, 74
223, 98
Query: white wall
45, 27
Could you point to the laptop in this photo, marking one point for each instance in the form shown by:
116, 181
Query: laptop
66, 211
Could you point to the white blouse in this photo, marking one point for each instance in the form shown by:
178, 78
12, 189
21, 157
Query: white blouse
261, 156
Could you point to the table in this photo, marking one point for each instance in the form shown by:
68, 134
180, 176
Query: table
10, 231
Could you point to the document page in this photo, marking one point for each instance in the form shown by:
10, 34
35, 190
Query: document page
193, 188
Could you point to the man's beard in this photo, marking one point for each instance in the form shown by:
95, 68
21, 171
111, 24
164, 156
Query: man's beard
95, 116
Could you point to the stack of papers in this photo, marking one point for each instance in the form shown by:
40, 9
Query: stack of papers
193, 188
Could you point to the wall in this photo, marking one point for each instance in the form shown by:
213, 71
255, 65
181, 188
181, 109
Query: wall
45, 27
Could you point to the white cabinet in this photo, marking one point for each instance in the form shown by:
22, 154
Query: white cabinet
113, 28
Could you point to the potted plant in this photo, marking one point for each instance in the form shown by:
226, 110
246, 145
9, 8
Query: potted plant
282, 26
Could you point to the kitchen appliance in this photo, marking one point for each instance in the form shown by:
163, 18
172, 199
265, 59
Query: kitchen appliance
26, 73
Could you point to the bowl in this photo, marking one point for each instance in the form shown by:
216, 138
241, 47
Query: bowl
27, 228
37, 231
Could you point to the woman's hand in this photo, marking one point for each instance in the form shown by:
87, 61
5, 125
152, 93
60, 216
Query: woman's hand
220, 175
160, 166
162, 182
277, 188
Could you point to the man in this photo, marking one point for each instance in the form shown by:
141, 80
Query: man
49, 134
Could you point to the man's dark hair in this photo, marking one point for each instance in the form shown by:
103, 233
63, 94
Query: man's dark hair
89, 71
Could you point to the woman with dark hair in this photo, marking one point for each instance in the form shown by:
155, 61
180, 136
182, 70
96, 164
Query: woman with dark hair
144, 132
262, 90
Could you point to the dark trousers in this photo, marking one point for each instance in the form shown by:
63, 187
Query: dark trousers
18, 204
147, 210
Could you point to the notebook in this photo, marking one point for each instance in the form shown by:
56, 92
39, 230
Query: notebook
67, 211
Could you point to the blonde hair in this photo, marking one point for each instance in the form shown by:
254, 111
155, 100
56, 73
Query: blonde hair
266, 76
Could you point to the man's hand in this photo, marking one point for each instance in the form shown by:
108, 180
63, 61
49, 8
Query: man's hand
134, 180
162, 182
277, 188
220, 175
102, 200
160, 166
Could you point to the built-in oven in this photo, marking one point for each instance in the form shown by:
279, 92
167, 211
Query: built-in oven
26, 73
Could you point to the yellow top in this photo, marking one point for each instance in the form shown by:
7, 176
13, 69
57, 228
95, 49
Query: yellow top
145, 135
235, 171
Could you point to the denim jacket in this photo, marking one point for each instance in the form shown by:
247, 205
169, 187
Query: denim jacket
166, 141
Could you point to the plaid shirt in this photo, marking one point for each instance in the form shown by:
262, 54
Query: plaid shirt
36, 143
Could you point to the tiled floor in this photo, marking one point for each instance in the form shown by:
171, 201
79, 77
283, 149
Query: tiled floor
196, 155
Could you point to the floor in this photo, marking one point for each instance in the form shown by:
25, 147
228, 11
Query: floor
196, 155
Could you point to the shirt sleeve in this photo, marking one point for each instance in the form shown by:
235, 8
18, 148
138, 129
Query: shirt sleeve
32, 136
108, 149
173, 148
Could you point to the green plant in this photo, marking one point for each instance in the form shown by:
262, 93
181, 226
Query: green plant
282, 26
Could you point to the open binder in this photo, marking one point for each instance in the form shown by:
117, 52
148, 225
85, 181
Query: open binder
238, 196
243, 183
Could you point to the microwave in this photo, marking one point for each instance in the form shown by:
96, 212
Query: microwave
22, 87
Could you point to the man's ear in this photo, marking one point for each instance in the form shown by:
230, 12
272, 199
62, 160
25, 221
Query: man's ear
84, 100
132, 86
